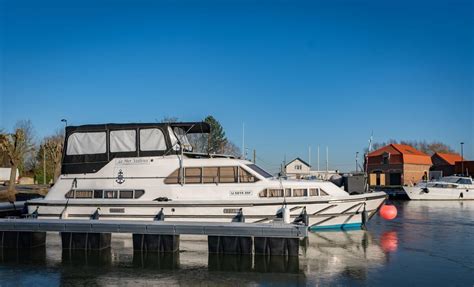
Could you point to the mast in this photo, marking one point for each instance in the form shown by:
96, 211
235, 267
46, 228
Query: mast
318, 158
243, 140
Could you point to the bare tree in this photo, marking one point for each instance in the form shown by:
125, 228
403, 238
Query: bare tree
424, 146
17, 146
27, 163
53, 146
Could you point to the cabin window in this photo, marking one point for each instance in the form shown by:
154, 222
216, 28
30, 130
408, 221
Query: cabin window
322, 192
123, 141
83, 193
273, 192
86, 143
210, 174
139, 193
287, 192
126, 194
110, 193
228, 174
313, 192
98, 193
246, 176
173, 178
69, 194
297, 192
192, 175
152, 140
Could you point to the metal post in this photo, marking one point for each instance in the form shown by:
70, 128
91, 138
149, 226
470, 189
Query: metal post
462, 158
254, 156
357, 161
44, 165
318, 158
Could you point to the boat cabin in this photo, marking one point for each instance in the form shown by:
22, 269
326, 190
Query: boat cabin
88, 148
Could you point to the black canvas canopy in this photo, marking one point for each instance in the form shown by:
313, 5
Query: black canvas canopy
87, 148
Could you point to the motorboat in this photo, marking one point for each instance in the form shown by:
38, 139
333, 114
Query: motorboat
446, 188
150, 172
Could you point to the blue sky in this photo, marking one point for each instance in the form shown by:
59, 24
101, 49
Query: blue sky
298, 73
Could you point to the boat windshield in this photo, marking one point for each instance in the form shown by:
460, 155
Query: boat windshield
179, 134
259, 170
455, 179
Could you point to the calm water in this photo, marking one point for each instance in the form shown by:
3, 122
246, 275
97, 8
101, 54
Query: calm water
429, 244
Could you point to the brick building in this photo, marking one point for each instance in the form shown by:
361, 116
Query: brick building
468, 166
445, 162
396, 165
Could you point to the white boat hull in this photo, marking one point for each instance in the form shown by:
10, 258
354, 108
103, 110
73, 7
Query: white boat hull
435, 193
323, 213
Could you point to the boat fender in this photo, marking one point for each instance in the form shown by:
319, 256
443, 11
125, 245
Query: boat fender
239, 217
95, 215
303, 217
160, 216
425, 190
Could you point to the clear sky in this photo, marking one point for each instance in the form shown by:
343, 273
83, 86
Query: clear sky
297, 73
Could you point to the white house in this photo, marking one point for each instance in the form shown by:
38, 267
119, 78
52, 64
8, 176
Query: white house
297, 168
300, 169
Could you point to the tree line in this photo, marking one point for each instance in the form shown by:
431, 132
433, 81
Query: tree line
19, 149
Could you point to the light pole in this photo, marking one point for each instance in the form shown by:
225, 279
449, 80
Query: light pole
462, 159
357, 161
65, 122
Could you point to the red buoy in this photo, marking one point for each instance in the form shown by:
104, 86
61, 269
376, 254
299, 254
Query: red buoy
388, 212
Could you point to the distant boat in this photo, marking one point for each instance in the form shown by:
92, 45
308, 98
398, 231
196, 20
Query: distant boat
445, 188
136, 171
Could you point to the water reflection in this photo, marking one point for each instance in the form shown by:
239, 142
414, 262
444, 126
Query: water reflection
342, 254
389, 241
34, 256
156, 261
256, 263
93, 258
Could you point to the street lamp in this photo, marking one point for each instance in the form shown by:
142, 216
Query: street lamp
462, 158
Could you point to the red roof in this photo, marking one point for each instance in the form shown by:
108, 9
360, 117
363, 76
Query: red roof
409, 153
450, 158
